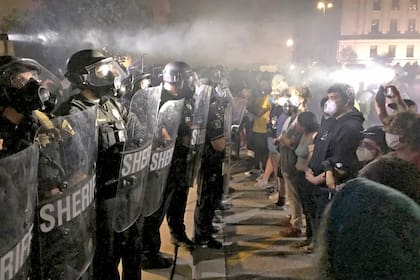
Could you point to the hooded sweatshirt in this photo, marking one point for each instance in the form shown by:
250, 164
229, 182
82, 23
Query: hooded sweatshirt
337, 142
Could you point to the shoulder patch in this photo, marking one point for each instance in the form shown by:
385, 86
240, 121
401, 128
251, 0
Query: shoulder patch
217, 124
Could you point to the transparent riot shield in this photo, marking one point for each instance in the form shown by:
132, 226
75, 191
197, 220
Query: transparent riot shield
18, 187
198, 133
66, 196
135, 159
227, 119
162, 150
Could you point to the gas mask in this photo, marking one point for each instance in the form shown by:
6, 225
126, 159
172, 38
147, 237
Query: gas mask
32, 96
106, 78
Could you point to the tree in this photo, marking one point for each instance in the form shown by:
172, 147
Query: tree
64, 15
12, 22
348, 56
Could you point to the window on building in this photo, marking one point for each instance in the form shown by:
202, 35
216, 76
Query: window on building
411, 25
377, 5
373, 51
410, 51
374, 28
393, 26
391, 50
395, 5
412, 5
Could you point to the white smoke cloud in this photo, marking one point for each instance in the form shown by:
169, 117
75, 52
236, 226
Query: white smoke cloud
201, 42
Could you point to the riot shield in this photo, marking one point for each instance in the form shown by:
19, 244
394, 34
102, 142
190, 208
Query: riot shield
164, 137
135, 159
227, 119
18, 186
66, 194
198, 133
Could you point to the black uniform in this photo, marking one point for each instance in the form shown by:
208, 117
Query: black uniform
115, 122
212, 187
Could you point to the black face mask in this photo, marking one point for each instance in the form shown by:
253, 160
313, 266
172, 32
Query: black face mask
31, 97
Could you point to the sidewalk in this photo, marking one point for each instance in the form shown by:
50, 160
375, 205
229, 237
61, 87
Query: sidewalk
252, 246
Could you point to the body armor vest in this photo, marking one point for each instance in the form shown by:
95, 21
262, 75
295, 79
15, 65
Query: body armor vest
111, 124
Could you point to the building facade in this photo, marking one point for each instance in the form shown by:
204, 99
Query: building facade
380, 29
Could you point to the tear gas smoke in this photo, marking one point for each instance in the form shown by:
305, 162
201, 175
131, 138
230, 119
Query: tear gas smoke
202, 42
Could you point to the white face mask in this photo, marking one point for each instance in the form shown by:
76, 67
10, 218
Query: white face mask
364, 154
392, 140
330, 108
280, 101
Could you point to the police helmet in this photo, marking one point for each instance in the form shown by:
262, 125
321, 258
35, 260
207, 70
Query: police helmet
28, 84
11, 66
91, 69
176, 71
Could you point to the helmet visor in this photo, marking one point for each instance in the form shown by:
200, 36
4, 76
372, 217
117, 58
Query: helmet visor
105, 72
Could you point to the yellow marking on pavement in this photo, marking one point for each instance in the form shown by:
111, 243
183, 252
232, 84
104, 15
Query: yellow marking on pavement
241, 256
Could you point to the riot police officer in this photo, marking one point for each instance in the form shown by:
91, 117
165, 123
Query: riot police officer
99, 80
212, 186
176, 85
23, 101
20, 94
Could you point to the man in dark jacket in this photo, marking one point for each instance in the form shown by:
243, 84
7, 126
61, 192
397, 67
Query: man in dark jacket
334, 157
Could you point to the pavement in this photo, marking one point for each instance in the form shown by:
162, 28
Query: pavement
250, 234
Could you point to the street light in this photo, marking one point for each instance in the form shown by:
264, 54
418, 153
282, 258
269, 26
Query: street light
290, 43
324, 5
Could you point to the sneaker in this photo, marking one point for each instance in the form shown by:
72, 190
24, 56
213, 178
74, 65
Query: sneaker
250, 153
307, 249
291, 232
252, 172
210, 242
274, 196
183, 241
156, 262
261, 184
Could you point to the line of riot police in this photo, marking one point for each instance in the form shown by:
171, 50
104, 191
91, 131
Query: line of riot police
86, 185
